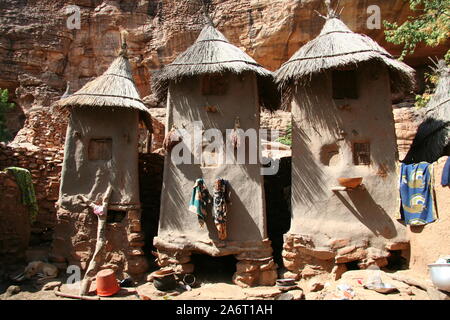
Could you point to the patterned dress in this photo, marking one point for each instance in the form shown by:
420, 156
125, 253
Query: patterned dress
220, 207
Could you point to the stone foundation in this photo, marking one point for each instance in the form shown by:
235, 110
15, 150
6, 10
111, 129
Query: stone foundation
158, 121
407, 120
15, 226
252, 271
38, 147
75, 238
277, 120
255, 265
304, 260
45, 168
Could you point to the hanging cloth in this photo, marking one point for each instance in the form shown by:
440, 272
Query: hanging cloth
99, 210
199, 200
445, 180
220, 207
25, 183
171, 139
416, 193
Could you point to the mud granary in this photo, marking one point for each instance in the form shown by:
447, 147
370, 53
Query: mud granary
101, 150
216, 85
339, 87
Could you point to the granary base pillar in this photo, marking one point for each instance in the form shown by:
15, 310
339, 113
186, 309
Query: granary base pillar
75, 236
177, 260
255, 265
305, 259
256, 268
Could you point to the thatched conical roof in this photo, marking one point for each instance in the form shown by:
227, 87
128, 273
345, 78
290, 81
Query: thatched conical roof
337, 46
115, 89
213, 53
433, 134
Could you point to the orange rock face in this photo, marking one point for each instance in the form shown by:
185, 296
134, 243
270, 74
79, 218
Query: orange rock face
39, 53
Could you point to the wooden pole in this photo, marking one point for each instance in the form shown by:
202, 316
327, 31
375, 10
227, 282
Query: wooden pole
98, 255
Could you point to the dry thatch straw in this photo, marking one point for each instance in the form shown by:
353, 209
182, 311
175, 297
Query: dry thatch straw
213, 53
115, 88
337, 47
433, 134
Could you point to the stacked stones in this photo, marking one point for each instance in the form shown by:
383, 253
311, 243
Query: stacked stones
158, 121
14, 221
255, 266
277, 120
177, 260
303, 260
43, 129
124, 242
45, 168
406, 123
38, 147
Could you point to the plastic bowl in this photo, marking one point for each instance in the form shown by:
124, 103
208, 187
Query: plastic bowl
440, 275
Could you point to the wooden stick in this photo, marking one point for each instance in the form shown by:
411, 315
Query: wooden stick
98, 255
66, 295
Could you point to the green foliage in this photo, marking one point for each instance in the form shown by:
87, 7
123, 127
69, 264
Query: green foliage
5, 106
431, 26
287, 138
431, 80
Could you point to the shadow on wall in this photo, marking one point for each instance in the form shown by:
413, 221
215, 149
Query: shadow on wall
316, 108
178, 193
181, 178
240, 222
366, 210
318, 114
308, 177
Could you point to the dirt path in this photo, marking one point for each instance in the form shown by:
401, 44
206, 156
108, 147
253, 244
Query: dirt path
313, 289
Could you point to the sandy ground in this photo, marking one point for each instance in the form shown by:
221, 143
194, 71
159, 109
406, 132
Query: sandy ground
350, 286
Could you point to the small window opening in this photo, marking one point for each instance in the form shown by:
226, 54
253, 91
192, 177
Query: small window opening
361, 153
329, 154
100, 149
114, 216
214, 85
345, 84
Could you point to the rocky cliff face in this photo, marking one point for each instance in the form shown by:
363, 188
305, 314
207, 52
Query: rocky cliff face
39, 54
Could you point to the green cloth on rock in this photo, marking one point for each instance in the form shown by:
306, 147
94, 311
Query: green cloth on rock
23, 179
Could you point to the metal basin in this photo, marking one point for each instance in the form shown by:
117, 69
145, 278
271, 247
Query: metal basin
440, 275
